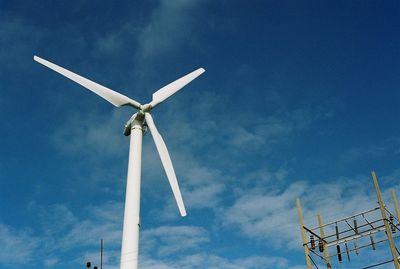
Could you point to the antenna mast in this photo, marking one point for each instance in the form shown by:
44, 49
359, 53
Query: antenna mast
101, 254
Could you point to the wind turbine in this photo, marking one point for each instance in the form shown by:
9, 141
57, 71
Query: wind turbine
135, 128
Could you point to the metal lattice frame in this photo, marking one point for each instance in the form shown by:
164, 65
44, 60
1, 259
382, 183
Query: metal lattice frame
369, 223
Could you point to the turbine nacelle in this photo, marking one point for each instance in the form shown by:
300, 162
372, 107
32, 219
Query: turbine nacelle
128, 124
139, 116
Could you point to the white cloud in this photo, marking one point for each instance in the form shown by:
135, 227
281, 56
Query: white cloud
271, 130
111, 42
110, 257
17, 247
264, 215
206, 196
201, 187
148, 263
167, 240
242, 137
51, 262
62, 230
211, 261
261, 214
19, 37
86, 233
168, 28
268, 214
388, 147
95, 134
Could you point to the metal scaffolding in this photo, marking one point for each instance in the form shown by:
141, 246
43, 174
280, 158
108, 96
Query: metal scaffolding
352, 235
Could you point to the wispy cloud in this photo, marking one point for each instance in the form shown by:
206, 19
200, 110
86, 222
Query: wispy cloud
201, 187
92, 134
19, 37
51, 262
167, 29
211, 261
388, 147
18, 247
269, 215
62, 230
167, 240
271, 130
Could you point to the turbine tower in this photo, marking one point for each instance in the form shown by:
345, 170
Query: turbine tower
134, 128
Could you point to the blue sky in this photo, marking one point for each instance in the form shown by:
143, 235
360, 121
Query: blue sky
299, 98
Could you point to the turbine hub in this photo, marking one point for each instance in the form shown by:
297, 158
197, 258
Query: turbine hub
145, 108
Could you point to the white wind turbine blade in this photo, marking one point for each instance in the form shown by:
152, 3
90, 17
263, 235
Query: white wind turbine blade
167, 163
173, 87
111, 96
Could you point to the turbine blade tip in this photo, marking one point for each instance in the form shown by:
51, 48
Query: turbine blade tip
182, 210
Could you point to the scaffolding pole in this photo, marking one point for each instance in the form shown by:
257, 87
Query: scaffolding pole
303, 234
388, 231
322, 233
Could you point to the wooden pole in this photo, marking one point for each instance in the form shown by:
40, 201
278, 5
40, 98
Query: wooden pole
387, 227
303, 234
396, 205
322, 233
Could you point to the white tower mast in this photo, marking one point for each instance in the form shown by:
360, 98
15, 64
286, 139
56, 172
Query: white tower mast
130, 236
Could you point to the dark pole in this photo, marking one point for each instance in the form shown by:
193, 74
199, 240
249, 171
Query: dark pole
101, 254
